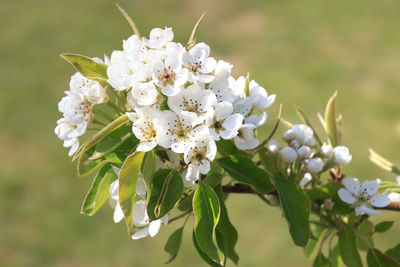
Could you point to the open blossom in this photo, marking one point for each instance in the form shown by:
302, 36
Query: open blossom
363, 197
159, 38
144, 127
223, 123
89, 89
246, 138
199, 63
198, 155
259, 96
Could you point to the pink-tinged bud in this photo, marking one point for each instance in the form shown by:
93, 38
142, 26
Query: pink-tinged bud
326, 151
304, 152
310, 141
315, 165
295, 144
306, 179
329, 204
288, 135
288, 154
273, 146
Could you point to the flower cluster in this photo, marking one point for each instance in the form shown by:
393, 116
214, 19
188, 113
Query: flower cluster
76, 107
185, 100
302, 147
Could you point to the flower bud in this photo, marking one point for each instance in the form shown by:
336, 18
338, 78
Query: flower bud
288, 154
329, 204
295, 144
304, 152
306, 179
288, 135
342, 155
310, 141
302, 131
273, 146
315, 165
326, 151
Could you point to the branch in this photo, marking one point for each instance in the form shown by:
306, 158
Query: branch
246, 189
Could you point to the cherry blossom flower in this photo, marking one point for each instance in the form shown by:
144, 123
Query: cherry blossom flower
363, 197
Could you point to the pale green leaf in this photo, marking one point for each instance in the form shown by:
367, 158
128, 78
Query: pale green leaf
348, 247
87, 66
331, 123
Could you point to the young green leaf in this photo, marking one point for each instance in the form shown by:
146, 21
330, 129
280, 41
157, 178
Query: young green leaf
321, 261
127, 185
130, 21
202, 254
86, 166
243, 169
336, 259
87, 66
173, 244
148, 168
226, 229
383, 226
382, 162
112, 141
375, 258
296, 207
312, 245
101, 134
99, 191
394, 252
166, 190
331, 123
348, 247
192, 38
206, 208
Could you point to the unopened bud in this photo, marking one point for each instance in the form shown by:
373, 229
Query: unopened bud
315, 165
326, 151
306, 179
310, 141
288, 135
342, 155
288, 154
273, 146
329, 204
295, 144
304, 152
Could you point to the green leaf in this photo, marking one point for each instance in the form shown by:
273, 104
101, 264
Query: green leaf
206, 208
127, 178
227, 147
305, 120
394, 252
173, 244
148, 169
383, 226
213, 179
323, 192
186, 203
166, 190
312, 245
101, 134
242, 169
348, 248
226, 229
320, 261
112, 141
201, 252
336, 259
383, 163
86, 66
99, 191
296, 207
86, 166
331, 123
364, 237
375, 258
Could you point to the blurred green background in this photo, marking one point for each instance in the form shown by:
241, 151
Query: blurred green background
301, 50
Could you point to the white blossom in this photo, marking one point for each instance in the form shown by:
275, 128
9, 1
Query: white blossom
304, 152
199, 63
301, 131
326, 151
159, 38
363, 197
259, 96
305, 180
198, 155
273, 146
342, 155
288, 135
91, 90
246, 139
223, 123
145, 94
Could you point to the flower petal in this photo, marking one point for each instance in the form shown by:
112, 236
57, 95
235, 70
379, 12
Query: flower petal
352, 185
154, 227
370, 187
346, 196
363, 209
141, 233
380, 200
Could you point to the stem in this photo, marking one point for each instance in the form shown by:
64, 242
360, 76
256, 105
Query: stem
180, 216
